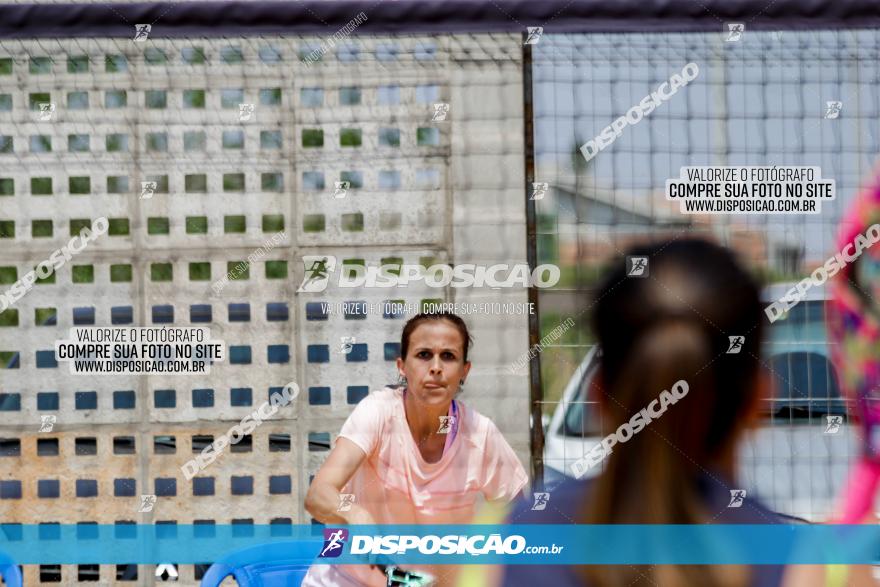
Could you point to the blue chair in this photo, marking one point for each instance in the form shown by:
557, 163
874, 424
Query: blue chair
278, 564
10, 574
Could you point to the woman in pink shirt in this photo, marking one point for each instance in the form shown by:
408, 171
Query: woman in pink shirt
412, 454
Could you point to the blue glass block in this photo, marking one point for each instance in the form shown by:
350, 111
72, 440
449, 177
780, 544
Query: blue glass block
281, 527
14, 361
163, 314
86, 488
165, 486
240, 355
47, 400
49, 531
277, 312
84, 316
10, 489
124, 400
203, 398
279, 391
46, 360
10, 402
317, 311
164, 398
125, 529
86, 400
199, 313
355, 393
239, 312
392, 310
319, 441
242, 485
241, 396
319, 396
318, 353
87, 530
279, 484
355, 310
358, 353
311, 97
313, 180
121, 315
392, 350
48, 488
203, 486
124, 487
278, 353
243, 527
12, 531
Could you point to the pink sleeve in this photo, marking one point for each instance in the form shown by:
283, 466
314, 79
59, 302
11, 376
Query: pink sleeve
363, 426
505, 476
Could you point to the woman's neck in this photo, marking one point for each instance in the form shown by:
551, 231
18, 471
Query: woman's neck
423, 420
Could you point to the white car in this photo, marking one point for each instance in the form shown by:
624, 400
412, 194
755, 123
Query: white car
796, 462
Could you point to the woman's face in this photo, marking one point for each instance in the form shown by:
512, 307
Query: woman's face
434, 364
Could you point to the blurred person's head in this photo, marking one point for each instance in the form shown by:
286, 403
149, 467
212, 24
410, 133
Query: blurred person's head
434, 356
674, 324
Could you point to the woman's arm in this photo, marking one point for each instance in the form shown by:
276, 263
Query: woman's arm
322, 500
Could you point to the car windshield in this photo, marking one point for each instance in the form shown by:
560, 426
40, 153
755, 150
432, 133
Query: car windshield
796, 354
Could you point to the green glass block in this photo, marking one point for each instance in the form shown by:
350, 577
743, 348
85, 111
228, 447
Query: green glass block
41, 186
117, 184
270, 96
233, 182
41, 228
276, 269
6, 66
194, 98
37, 98
158, 225
83, 273
156, 99
273, 222
427, 261
7, 229
155, 56
116, 143
313, 223
119, 227
193, 55
161, 272
427, 136
353, 268
392, 264
195, 183
199, 271
5, 102
6, 359
77, 224
234, 224
40, 65
312, 137
424, 303
41, 144
121, 273
196, 225
7, 186
79, 185
9, 317
350, 137
238, 270
272, 182
8, 275
47, 280
231, 55
78, 64
353, 222
115, 63
45, 316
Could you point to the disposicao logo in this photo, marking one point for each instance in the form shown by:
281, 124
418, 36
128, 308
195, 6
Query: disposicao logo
334, 542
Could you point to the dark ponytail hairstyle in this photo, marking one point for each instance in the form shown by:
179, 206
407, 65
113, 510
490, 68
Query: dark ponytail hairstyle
653, 331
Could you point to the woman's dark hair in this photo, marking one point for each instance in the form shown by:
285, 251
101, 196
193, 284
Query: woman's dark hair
413, 322
653, 331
